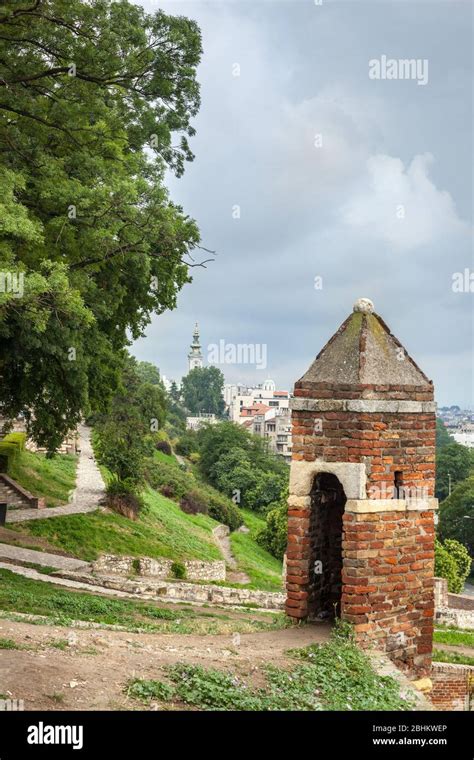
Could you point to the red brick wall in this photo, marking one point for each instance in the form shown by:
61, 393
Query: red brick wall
388, 562
385, 442
451, 686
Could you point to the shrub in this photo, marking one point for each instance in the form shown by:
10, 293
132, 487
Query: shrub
178, 570
194, 457
274, 536
193, 503
223, 510
461, 556
163, 446
123, 499
10, 448
187, 443
446, 567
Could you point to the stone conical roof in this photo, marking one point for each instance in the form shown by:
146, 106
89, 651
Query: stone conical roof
364, 352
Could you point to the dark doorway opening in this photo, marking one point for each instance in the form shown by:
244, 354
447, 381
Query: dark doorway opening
325, 573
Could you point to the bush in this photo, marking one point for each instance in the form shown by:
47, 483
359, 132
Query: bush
164, 447
187, 444
194, 457
193, 503
123, 499
178, 570
274, 536
223, 510
461, 556
446, 567
10, 448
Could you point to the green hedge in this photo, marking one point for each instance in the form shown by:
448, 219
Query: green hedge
10, 448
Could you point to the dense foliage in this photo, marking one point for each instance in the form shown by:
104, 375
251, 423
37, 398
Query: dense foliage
201, 391
454, 462
239, 465
456, 515
125, 434
96, 105
452, 562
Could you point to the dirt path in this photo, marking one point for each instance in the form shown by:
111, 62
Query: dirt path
17, 554
221, 537
90, 671
89, 487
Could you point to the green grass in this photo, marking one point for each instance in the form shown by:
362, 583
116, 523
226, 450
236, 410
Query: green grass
454, 637
160, 456
51, 479
332, 676
162, 530
8, 644
264, 570
457, 658
44, 569
61, 607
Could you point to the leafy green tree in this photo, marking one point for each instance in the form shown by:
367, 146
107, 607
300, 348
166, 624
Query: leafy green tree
442, 435
453, 461
446, 567
456, 515
202, 391
124, 434
452, 562
174, 392
461, 557
235, 476
96, 105
148, 373
217, 440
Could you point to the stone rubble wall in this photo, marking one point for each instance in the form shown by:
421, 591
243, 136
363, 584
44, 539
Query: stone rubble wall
181, 591
452, 609
196, 570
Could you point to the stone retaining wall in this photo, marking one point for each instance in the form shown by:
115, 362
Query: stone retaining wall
196, 570
181, 591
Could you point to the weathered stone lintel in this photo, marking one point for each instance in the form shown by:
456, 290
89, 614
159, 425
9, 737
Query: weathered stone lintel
369, 506
352, 476
299, 404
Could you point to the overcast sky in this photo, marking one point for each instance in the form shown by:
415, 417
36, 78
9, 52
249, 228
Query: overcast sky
365, 183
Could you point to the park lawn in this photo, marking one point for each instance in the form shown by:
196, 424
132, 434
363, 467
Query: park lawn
52, 479
162, 530
61, 606
264, 570
456, 658
454, 637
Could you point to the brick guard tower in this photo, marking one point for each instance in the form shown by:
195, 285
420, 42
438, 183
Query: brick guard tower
361, 506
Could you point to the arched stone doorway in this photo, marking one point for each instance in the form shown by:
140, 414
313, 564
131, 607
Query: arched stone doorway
326, 533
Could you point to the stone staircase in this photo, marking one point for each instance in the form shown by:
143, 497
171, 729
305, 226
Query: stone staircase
16, 496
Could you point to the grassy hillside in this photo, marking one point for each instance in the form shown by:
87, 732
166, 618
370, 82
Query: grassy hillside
263, 570
162, 530
52, 479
